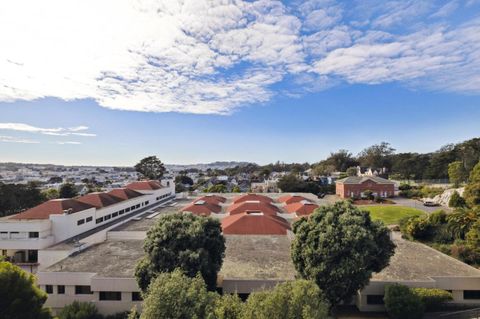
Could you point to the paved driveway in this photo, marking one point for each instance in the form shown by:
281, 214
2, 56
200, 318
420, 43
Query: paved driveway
417, 204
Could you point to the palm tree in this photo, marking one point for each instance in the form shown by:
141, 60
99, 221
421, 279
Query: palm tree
460, 222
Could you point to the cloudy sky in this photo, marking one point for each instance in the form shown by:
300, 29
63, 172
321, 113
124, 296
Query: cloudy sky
107, 82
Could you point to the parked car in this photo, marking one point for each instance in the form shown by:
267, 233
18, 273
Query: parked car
430, 203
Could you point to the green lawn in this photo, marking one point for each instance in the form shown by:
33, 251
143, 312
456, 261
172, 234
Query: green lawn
391, 214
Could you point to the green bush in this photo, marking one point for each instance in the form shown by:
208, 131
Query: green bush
368, 194
430, 192
438, 217
419, 228
442, 235
401, 303
456, 200
80, 310
432, 298
404, 187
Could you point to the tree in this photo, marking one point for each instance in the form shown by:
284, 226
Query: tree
457, 173
472, 190
17, 197
341, 160
218, 188
51, 193
291, 183
20, 296
376, 156
191, 243
174, 295
80, 310
151, 167
339, 247
460, 221
323, 169
432, 298
299, 299
236, 189
67, 190
352, 171
456, 200
401, 302
228, 307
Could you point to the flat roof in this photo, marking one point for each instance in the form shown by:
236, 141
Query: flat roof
418, 262
257, 257
112, 258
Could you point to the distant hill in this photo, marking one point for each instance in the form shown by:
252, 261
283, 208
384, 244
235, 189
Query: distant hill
205, 166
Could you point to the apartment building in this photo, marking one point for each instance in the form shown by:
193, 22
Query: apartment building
26, 236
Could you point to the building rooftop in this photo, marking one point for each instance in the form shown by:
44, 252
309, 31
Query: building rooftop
124, 193
289, 199
254, 224
53, 206
253, 206
100, 200
252, 197
362, 179
415, 261
109, 259
302, 208
213, 199
144, 185
257, 257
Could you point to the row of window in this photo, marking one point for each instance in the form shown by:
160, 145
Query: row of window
103, 295
467, 295
85, 220
119, 213
32, 234
163, 196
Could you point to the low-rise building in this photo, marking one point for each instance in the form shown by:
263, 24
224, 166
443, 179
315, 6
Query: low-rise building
355, 186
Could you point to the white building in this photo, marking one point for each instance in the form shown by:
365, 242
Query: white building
26, 237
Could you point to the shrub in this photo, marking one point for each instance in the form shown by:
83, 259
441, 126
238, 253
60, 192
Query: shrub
430, 192
401, 302
80, 310
442, 235
404, 187
438, 217
419, 228
432, 299
368, 194
378, 199
456, 200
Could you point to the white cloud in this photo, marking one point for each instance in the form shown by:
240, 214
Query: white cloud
446, 9
14, 139
68, 143
58, 131
213, 56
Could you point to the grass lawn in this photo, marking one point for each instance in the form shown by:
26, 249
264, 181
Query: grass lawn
391, 214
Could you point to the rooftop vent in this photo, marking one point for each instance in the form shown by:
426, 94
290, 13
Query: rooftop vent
199, 202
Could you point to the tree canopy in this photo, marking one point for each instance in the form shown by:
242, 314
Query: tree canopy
151, 167
472, 190
20, 296
191, 243
67, 190
339, 247
80, 310
17, 197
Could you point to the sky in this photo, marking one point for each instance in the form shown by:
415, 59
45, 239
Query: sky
109, 82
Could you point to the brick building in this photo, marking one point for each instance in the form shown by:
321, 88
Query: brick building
354, 186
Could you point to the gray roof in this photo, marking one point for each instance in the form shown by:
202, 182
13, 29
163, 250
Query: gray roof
362, 179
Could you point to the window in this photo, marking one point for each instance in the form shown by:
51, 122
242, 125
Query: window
80, 222
375, 299
132, 208
136, 296
138, 206
33, 234
115, 214
49, 289
83, 290
108, 217
61, 289
99, 220
110, 295
146, 203
89, 219
121, 212
471, 294
127, 210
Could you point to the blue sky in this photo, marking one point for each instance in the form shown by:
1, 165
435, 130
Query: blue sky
248, 81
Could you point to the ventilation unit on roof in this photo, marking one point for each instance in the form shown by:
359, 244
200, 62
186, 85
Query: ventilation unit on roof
68, 211
306, 202
254, 212
252, 201
199, 202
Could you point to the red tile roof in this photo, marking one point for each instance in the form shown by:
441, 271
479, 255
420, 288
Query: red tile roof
53, 206
124, 193
301, 208
289, 199
250, 224
202, 208
99, 200
253, 206
214, 199
144, 185
252, 197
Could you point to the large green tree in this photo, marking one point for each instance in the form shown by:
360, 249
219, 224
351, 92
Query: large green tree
472, 190
376, 156
339, 247
176, 296
457, 173
17, 197
151, 167
300, 299
67, 190
191, 243
19, 295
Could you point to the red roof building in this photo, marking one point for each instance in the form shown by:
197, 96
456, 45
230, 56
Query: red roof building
99, 200
124, 193
53, 207
213, 199
202, 208
302, 208
289, 199
144, 185
254, 224
252, 197
253, 206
